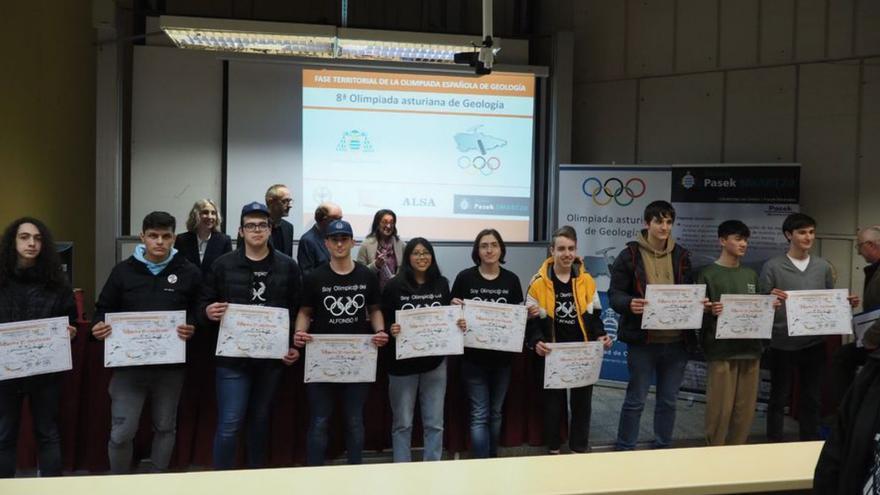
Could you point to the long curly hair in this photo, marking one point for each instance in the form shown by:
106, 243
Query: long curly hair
47, 270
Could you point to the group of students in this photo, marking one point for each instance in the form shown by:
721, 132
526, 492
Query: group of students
332, 293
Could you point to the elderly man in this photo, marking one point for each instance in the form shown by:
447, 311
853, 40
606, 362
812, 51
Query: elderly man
850, 357
279, 201
312, 252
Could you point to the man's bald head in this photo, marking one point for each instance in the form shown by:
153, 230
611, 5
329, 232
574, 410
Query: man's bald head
327, 212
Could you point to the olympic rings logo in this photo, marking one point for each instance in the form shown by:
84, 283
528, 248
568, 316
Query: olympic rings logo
479, 164
614, 189
566, 310
348, 305
501, 299
407, 306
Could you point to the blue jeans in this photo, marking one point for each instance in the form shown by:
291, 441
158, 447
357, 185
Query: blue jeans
129, 389
431, 389
321, 399
44, 392
643, 361
486, 389
244, 392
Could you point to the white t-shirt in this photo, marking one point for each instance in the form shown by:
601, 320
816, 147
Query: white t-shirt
800, 264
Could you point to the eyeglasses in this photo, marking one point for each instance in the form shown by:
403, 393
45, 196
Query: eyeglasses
287, 201
421, 254
255, 227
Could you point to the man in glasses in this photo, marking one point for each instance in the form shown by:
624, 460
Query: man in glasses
258, 275
279, 201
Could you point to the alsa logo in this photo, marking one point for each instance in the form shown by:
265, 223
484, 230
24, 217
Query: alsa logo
418, 202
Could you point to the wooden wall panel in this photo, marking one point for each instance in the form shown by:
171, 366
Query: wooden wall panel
680, 119
827, 130
600, 40
777, 31
840, 28
869, 146
696, 45
739, 32
760, 115
604, 122
810, 29
650, 36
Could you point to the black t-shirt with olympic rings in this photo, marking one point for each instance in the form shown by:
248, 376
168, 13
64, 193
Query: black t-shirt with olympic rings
565, 317
340, 302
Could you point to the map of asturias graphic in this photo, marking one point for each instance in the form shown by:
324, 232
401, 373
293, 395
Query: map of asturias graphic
475, 140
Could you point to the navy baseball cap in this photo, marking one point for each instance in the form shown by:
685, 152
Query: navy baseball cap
339, 227
255, 207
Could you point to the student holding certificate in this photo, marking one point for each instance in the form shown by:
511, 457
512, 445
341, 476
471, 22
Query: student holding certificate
258, 275
418, 284
570, 311
652, 258
339, 297
486, 373
32, 287
797, 269
154, 278
733, 364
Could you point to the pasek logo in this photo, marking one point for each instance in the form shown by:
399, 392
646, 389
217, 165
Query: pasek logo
614, 189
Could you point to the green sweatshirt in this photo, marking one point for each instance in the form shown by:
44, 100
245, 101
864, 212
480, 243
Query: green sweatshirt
726, 280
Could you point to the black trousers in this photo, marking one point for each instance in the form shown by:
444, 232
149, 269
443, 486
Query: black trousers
581, 407
844, 365
809, 364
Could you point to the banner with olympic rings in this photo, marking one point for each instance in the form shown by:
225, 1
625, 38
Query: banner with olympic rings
605, 205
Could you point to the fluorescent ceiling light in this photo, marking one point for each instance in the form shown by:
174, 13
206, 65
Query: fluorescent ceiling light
364, 44
275, 38
310, 40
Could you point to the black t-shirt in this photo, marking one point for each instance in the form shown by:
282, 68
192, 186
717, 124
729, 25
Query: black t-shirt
398, 294
565, 318
340, 302
505, 288
259, 276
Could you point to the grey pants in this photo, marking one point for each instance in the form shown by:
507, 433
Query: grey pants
129, 388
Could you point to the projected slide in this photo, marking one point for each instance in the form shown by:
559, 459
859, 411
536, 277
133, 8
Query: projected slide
449, 154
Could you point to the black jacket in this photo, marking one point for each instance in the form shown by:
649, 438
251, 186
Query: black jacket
848, 454
22, 299
282, 237
628, 281
231, 278
131, 286
187, 245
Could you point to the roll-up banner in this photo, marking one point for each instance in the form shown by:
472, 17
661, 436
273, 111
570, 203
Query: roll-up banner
605, 205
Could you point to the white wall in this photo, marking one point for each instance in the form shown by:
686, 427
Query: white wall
176, 128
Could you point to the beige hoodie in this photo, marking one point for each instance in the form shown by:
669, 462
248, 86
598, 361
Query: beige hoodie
658, 269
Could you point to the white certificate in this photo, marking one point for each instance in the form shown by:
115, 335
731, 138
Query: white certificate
430, 331
572, 364
862, 322
254, 331
148, 337
340, 358
34, 347
745, 317
494, 326
673, 307
818, 312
